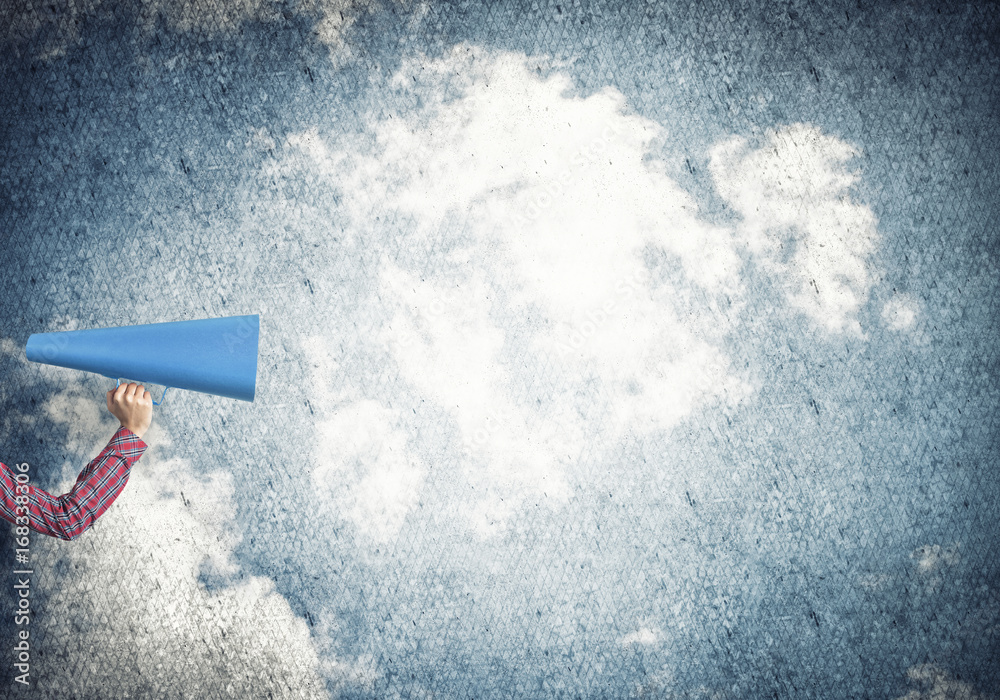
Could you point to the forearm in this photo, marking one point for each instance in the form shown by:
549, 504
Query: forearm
96, 488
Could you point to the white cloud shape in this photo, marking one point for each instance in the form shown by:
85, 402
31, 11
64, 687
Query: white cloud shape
799, 220
130, 594
542, 211
932, 559
9, 347
643, 636
935, 683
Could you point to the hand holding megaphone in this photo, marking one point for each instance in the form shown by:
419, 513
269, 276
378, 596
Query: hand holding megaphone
132, 405
211, 355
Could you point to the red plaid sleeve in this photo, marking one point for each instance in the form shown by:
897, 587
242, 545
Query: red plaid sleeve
72, 514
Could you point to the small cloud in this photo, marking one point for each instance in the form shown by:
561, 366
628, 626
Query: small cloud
10, 348
932, 559
335, 18
642, 637
799, 220
937, 684
900, 312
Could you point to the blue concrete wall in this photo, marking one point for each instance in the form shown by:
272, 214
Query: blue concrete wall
769, 472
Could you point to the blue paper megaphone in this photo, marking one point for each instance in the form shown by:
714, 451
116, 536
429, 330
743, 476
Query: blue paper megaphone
211, 355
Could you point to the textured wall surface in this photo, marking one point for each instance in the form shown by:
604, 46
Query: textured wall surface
607, 350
